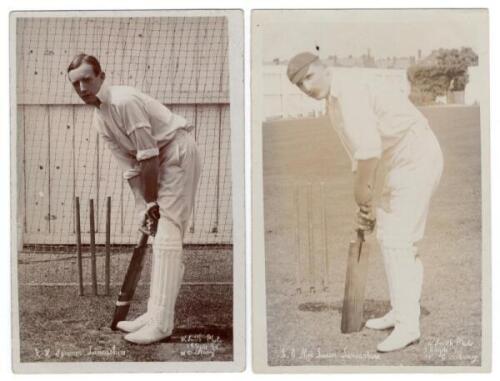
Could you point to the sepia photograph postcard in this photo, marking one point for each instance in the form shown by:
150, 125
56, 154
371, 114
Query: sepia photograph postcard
127, 192
371, 191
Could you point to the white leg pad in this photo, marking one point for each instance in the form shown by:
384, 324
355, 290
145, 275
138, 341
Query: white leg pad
406, 271
167, 275
385, 254
388, 320
406, 282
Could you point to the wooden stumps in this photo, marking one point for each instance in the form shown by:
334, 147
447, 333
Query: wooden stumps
93, 248
93, 259
326, 262
312, 264
79, 246
107, 263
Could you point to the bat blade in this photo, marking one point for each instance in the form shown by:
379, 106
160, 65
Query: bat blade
130, 282
355, 284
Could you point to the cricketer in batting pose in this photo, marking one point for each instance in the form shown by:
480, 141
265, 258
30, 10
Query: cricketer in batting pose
377, 123
162, 165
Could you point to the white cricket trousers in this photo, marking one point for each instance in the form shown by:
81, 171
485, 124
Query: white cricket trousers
415, 166
180, 168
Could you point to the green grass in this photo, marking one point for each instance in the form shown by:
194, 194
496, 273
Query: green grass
305, 329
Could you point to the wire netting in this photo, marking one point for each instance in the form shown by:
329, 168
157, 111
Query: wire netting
181, 61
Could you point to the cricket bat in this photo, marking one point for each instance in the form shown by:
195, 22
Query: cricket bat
130, 282
355, 283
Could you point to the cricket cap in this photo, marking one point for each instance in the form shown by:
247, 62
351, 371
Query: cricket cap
298, 66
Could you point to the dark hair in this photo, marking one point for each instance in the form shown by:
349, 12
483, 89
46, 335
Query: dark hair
81, 58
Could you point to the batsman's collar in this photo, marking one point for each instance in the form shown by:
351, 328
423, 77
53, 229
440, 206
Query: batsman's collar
298, 65
103, 93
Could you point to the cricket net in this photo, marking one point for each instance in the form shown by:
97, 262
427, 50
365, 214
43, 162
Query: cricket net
181, 61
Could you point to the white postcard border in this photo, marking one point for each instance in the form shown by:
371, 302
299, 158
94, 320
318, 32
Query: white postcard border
236, 65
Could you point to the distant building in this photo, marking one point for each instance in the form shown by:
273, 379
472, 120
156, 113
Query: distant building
395, 62
365, 60
350, 61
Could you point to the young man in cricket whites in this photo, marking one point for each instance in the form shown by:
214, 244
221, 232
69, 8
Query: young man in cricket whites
162, 165
377, 123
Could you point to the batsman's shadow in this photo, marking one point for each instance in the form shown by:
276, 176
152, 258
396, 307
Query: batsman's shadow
372, 308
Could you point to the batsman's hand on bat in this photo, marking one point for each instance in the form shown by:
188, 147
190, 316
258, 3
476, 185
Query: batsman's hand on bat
150, 219
365, 219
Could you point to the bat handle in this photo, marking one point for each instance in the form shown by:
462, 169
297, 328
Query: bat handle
143, 239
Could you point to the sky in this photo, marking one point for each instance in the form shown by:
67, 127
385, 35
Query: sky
386, 33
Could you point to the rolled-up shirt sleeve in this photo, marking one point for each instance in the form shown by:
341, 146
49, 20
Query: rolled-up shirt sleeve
360, 123
145, 143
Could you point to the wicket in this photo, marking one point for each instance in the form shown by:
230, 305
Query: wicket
93, 257
79, 246
93, 260
311, 238
107, 262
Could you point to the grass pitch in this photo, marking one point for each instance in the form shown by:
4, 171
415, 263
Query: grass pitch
57, 325
305, 329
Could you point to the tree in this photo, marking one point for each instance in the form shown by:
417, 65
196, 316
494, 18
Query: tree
441, 71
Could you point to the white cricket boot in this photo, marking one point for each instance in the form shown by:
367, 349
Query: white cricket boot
381, 323
167, 249
133, 325
398, 339
148, 334
406, 276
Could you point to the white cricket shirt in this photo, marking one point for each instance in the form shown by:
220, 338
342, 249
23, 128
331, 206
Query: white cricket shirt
134, 125
369, 113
